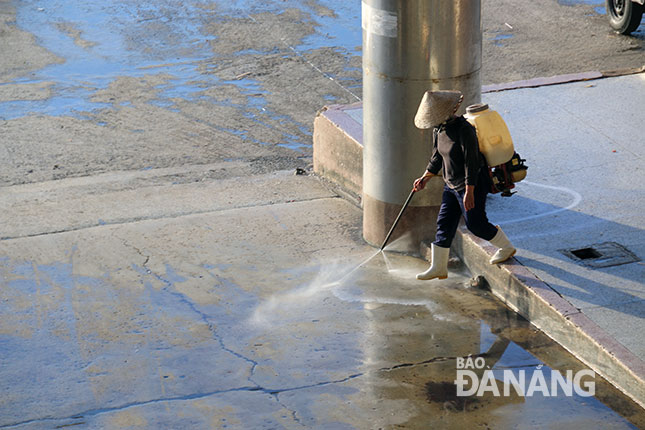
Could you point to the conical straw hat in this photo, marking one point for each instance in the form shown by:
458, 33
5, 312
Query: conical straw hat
436, 107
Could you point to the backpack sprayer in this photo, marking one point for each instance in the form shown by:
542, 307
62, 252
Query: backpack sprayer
505, 166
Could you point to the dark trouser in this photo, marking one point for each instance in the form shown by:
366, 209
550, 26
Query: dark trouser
452, 207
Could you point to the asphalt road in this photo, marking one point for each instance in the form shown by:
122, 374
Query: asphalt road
528, 39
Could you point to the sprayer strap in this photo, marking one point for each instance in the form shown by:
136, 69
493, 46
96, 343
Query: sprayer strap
435, 136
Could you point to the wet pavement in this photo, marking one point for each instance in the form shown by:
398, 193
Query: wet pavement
181, 54
222, 71
116, 86
196, 321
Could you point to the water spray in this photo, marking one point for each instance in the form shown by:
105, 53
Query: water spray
387, 238
276, 302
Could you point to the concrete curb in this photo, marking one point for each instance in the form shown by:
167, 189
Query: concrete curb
337, 147
522, 291
559, 79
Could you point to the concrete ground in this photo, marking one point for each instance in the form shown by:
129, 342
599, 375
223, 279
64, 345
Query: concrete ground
139, 301
162, 267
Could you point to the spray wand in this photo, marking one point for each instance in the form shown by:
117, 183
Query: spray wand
398, 218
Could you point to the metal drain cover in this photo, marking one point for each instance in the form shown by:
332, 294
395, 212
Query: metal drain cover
604, 254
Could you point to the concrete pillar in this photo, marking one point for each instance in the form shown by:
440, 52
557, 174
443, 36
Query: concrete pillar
410, 46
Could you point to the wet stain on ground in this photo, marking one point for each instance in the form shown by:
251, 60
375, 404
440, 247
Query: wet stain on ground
500, 38
599, 6
191, 51
445, 393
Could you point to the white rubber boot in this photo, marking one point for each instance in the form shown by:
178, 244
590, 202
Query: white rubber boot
506, 249
439, 264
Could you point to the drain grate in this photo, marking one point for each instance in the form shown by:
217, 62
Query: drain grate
604, 254
586, 253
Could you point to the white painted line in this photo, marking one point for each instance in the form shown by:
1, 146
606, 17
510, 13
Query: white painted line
577, 198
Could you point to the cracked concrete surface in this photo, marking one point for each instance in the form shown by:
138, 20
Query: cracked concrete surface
235, 318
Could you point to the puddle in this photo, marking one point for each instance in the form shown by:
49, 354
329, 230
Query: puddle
111, 40
335, 22
500, 38
599, 6
339, 30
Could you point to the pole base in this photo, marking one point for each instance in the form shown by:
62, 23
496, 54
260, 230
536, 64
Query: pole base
417, 223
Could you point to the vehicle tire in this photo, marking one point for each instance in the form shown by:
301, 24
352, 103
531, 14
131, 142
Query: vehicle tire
624, 15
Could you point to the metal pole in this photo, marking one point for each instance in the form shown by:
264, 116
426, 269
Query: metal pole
410, 46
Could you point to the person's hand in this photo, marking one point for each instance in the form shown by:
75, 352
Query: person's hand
420, 183
469, 197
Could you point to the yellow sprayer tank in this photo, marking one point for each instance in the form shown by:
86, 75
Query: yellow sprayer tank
494, 138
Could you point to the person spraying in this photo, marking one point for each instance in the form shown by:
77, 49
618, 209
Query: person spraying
467, 182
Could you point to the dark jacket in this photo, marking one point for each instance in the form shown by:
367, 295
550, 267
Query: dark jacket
456, 149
